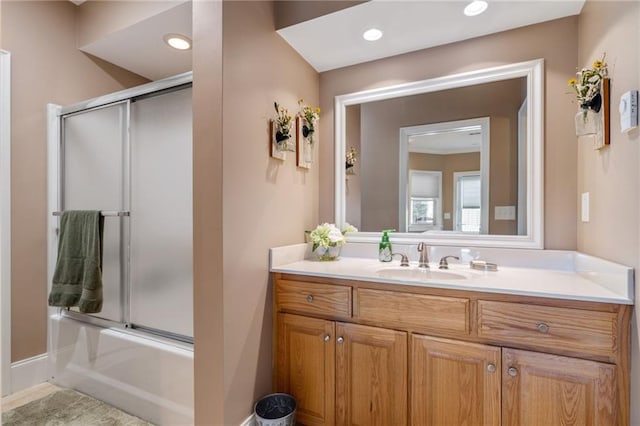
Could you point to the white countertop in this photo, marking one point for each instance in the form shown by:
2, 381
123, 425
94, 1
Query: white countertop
571, 275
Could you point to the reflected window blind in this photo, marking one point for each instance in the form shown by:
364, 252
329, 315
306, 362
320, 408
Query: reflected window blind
470, 191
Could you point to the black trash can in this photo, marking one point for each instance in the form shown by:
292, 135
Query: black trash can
276, 409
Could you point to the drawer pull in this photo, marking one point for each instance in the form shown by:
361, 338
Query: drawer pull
327, 337
340, 339
512, 371
543, 328
310, 298
491, 368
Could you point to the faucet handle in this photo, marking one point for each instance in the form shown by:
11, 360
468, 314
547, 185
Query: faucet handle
404, 260
443, 262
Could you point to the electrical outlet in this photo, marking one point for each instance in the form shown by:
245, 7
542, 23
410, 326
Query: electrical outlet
585, 207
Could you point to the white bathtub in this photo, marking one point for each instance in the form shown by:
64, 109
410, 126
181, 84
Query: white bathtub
148, 377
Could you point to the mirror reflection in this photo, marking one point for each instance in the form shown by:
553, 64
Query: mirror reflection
448, 161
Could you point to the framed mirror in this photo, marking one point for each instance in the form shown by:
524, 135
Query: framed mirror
453, 160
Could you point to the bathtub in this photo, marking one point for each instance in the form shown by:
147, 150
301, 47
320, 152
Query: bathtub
149, 377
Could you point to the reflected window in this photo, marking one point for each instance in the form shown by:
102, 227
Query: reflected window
424, 200
423, 211
467, 206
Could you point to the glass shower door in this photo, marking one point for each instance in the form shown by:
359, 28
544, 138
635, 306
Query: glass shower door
94, 172
161, 213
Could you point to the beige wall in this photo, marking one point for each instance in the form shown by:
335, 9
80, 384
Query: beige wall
380, 125
555, 41
267, 202
289, 13
208, 306
46, 67
611, 175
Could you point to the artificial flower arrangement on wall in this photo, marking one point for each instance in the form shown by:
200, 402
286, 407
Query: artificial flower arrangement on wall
591, 87
327, 240
281, 136
306, 126
351, 158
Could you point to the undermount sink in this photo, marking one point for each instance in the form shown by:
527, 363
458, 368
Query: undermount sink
418, 274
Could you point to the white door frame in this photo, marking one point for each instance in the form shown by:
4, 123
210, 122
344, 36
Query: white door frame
407, 132
5, 222
522, 168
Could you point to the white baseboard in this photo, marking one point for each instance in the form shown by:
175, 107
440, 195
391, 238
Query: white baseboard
249, 421
28, 372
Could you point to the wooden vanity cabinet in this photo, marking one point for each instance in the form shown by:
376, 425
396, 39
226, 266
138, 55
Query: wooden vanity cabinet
342, 373
360, 353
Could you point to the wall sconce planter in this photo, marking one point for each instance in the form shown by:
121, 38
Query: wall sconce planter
306, 142
591, 87
280, 131
351, 159
280, 143
592, 121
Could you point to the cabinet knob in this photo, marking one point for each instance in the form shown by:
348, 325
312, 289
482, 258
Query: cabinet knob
512, 371
327, 337
310, 298
340, 339
491, 367
543, 328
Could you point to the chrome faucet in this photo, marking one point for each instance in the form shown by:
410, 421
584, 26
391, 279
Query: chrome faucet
424, 256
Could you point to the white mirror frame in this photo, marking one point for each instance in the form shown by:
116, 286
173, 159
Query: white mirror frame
534, 72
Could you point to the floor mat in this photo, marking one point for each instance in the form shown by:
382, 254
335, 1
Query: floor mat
69, 408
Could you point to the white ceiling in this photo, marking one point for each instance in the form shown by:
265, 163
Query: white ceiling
453, 141
335, 40
140, 48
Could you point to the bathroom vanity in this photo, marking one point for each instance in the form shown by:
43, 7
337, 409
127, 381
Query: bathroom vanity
361, 342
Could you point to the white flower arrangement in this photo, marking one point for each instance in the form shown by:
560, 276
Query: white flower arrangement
329, 235
586, 85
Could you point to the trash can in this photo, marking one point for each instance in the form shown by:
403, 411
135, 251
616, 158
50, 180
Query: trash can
276, 409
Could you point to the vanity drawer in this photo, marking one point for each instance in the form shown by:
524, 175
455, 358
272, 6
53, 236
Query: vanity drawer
313, 298
547, 327
416, 312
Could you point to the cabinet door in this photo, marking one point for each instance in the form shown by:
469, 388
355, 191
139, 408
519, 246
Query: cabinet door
454, 383
305, 366
371, 376
541, 390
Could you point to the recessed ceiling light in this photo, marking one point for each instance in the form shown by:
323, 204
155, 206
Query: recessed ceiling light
476, 7
178, 41
372, 34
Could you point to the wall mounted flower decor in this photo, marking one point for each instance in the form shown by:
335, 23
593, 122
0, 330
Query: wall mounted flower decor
351, 159
591, 87
281, 136
306, 132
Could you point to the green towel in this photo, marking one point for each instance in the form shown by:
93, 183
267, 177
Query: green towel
77, 280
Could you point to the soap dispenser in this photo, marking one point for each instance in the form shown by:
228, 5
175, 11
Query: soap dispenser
384, 252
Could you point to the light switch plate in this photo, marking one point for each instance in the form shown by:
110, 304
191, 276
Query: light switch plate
585, 207
447, 216
505, 213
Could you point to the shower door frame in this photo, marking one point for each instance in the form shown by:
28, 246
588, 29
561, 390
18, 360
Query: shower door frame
55, 137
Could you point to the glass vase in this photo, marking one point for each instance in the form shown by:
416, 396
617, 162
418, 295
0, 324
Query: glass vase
327, 253
587, 122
